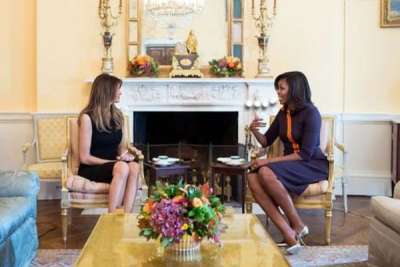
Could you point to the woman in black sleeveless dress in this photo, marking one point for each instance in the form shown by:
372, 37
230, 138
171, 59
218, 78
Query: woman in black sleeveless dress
103, 156
272, 182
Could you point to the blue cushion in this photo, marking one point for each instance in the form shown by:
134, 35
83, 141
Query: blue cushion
18, 183
13, 213
20, 248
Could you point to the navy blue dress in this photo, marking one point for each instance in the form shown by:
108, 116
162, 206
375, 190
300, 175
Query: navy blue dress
300, 133
104, 145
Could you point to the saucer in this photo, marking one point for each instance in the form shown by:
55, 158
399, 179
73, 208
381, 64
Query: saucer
236, 162
223, 160
165, 161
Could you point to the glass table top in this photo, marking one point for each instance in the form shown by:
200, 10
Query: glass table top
115, 242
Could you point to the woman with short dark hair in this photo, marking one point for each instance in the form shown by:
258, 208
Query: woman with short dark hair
274, 180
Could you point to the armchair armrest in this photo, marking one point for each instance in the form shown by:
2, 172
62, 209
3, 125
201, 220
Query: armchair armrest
64, 168
341, 147
396, 193
18, 183
136, 152
64, 155
25, 148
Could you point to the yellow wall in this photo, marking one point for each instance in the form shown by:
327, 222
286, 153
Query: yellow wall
307, 36
69, 52
372, 61
17, 54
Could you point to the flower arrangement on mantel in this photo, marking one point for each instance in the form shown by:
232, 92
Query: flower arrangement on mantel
175, 213
143, 65
226, 67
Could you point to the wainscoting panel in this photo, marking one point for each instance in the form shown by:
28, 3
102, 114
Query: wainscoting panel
16, 129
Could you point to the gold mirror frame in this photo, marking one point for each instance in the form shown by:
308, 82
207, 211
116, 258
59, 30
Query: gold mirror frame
165, 69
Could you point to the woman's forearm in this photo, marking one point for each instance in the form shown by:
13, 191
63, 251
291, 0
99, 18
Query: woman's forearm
260, 138
92, 160
293, 156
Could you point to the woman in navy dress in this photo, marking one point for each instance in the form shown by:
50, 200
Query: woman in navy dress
273, 181
103, 155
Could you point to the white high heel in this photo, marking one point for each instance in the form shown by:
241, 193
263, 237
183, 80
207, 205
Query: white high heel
302, 234
292, 250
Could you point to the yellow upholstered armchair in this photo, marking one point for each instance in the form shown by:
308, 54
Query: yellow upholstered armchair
50, 138
88, 195
318, 195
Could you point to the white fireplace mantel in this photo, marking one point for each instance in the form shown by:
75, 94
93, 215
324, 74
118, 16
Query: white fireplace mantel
195, 92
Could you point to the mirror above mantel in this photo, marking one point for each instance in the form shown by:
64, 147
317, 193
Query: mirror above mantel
155, 31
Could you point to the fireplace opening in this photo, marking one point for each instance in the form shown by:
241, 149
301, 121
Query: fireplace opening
197, 138
219, 128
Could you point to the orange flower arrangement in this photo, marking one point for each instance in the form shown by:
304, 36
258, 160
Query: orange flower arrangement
143, 65
226, 67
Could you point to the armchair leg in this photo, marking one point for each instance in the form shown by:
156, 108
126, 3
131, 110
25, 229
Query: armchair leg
328, 226
64, 223
344, 192
249, 207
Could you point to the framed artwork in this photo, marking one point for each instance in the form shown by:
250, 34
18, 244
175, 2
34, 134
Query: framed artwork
390, 13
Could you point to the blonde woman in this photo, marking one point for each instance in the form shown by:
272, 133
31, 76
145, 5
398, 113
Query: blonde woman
103, 153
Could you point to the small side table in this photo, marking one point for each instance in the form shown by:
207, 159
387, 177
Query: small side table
223, 170
157, 171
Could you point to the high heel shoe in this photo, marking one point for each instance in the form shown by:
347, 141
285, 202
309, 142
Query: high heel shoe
302, 234
292, 250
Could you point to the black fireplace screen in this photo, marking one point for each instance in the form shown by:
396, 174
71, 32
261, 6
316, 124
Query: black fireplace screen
197, 138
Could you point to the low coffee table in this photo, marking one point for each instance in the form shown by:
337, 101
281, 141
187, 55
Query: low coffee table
225, 170
115, 241
156, 172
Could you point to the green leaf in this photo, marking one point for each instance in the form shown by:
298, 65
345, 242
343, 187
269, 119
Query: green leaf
193, 192
171, 191
181, 183
166, 241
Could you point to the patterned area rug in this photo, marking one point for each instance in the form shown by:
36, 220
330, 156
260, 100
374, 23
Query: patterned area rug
349, 256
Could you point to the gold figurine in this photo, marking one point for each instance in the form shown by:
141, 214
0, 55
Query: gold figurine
185, 62
191, 43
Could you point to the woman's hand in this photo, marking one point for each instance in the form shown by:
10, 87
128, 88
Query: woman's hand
126, 157
258, 163
256, 124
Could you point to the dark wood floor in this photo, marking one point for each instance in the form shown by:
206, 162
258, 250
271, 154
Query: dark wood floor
351, 229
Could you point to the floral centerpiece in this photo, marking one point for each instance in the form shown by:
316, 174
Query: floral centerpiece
178, 213
226, 67
143, 65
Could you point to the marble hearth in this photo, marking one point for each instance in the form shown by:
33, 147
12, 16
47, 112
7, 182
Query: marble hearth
244, 96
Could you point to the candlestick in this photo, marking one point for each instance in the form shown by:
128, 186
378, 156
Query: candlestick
264, 23
108, 21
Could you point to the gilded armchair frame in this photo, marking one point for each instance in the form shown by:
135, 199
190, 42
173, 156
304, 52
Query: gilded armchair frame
48, 142
66, 203
323, 200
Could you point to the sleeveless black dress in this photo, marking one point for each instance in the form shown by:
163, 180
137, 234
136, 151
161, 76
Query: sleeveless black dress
104, 145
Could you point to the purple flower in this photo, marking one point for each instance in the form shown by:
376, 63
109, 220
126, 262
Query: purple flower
167, 219
222, 63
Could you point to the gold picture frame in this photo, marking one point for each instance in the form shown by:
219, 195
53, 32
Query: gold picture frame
390, 13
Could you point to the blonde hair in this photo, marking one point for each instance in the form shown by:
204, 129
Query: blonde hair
101, 108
